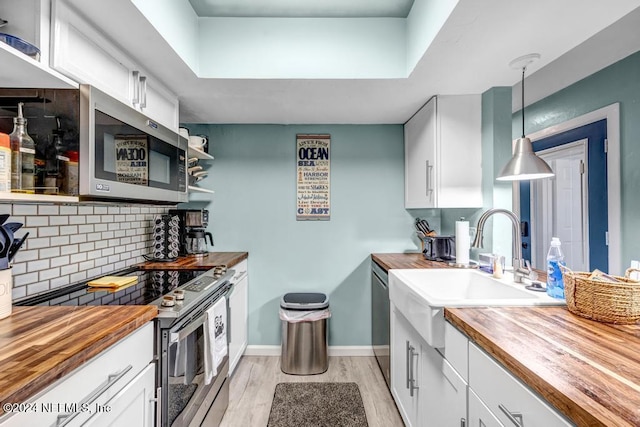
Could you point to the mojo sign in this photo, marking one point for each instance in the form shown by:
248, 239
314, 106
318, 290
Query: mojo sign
313, 177
132, 163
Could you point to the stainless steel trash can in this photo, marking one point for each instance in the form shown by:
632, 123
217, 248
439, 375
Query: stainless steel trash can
304, 333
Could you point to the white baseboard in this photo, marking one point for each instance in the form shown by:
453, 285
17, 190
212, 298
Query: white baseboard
336, 350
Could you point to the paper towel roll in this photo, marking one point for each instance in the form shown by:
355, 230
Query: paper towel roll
463, 242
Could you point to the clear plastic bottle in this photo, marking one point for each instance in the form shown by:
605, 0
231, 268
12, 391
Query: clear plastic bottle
23, 154
555, 258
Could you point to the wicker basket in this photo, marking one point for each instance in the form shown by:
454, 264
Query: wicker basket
602, 301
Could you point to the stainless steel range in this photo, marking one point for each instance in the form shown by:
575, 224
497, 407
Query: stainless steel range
183, 297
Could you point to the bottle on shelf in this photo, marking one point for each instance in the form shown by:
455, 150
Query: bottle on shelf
5, 162
23, 153
55, 161
555, 258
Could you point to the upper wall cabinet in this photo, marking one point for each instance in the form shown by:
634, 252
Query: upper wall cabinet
443, 154
29, 20
83, 53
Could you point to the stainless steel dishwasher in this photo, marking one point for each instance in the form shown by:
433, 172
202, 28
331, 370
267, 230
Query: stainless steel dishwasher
380, 326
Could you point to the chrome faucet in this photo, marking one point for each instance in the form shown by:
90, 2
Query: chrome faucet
521, 268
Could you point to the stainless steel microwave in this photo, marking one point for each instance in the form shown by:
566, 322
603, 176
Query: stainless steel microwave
126, 155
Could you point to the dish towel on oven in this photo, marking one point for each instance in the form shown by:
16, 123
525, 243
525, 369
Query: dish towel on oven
215, 338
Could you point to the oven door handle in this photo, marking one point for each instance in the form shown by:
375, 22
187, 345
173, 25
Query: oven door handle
187, 330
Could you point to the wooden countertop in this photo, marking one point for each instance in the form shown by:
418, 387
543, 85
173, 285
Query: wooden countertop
198, 263
406, 260
589, 371
39, 345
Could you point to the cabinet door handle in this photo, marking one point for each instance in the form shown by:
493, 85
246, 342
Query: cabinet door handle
135, 99
428, 172
412, 382
143, 91
64, 419
515, 417
463, 422
408, 360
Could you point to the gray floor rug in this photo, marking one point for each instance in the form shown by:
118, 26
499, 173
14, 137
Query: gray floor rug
317, 405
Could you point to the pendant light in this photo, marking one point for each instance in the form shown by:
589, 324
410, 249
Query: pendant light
524, 164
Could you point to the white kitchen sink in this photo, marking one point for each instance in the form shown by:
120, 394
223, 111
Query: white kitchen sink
420, 295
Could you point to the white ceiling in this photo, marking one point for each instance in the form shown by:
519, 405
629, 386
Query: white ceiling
469, 55
303, 8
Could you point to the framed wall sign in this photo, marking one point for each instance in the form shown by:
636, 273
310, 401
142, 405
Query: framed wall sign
313, 167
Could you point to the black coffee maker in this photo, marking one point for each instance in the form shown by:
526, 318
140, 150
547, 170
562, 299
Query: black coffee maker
193, 237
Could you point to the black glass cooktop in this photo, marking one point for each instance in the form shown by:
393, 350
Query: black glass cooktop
151, 285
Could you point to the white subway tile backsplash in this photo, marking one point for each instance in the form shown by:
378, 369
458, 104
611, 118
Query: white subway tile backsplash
85, 228
41, 264
48, 231
48, 210
85, 210
69, 269
78, 257
59, 240
38, 242
59, 220
25, 210
51, 273
68, 230
59, 261
72, 243
49, 252
77, 238
37, 221
68, 210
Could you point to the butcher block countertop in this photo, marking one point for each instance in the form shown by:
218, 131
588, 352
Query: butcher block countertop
589, 371
39, 345
206, 262
408, 260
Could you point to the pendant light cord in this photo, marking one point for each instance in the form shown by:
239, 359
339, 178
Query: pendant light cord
523, 69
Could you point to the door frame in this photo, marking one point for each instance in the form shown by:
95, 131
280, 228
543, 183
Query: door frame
612, 114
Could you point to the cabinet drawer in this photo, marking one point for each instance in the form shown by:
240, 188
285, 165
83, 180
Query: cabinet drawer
241, 269
101, 378
456, 350
479, 414
503, 393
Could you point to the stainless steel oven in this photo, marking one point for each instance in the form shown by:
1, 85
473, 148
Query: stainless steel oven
189, 400
380, 320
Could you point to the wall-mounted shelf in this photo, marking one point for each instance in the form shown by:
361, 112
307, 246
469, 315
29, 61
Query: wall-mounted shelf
20, 70
37, 198
194, 152
195, 189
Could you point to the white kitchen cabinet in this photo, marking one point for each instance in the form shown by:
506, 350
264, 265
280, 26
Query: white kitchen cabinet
443, 154
29, 20
131, 406
81, 52
239, 307
479, 414
444, 392
510, 401
122, 369
406, 347
427, 389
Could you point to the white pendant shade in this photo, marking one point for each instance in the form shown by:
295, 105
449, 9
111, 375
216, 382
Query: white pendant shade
525, 165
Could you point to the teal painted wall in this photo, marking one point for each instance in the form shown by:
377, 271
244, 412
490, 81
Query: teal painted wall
253, 209
619, 82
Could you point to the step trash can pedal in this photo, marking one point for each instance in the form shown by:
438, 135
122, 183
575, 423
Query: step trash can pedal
304, 333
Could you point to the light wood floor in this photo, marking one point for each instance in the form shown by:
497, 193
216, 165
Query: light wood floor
254, 381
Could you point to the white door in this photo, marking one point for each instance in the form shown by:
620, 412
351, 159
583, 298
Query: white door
559, 207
